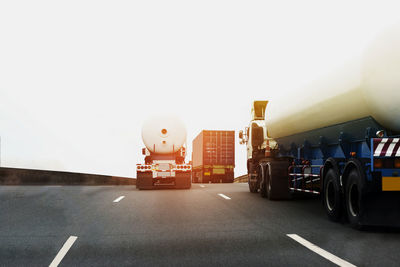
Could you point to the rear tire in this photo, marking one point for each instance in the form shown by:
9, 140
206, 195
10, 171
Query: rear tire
262, 177
276, 175
253, 185
144, 180
183, 180
195, 179
354, 199
332, 198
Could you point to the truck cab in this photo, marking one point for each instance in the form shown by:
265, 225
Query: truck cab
258, 144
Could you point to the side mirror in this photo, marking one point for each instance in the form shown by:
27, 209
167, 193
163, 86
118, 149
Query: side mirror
240, 134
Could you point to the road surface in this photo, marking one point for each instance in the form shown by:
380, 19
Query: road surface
209, 225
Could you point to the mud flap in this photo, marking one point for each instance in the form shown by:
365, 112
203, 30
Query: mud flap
382, 209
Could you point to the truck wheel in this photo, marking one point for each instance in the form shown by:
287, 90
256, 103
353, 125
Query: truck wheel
262, 177
144, 181
277, 180
253, 185
268, 186
332, 199
354, 199
188, 182
183, 181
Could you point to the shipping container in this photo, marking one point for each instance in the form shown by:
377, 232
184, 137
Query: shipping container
213, 157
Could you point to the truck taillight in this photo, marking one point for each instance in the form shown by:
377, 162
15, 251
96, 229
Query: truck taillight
378, 163
397, 163
144, 167
387, 163
182, 167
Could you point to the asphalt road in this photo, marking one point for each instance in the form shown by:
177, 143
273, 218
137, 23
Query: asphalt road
196, 227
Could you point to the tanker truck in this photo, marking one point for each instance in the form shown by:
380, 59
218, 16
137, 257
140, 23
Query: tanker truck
164, 165
338, 138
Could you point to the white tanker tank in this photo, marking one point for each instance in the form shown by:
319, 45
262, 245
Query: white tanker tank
164, 138
164, 135
368, 87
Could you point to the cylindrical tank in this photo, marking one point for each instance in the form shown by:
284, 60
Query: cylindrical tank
369, 86
163, 134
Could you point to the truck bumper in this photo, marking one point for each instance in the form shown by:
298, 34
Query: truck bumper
390, 183
384, 181
145, 181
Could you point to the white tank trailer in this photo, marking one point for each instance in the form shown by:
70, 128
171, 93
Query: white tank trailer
338, 138
164, 164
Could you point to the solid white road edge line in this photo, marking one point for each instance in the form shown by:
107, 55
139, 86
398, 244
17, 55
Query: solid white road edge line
119, 199
63, 251
329, 256
222, 195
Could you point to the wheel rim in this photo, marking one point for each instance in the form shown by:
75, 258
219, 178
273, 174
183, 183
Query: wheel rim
353, 200
330, 197
269, 184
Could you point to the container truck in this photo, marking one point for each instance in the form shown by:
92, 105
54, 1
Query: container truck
164, 165
338, 138
213, 157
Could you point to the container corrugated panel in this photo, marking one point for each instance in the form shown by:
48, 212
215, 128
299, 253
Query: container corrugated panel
197, 154
214, 148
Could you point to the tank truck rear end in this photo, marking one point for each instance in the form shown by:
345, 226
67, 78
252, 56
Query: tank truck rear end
165, 152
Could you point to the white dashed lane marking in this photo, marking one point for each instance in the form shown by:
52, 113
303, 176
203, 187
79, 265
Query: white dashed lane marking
63, 251
119, 199
222, 195
323, 253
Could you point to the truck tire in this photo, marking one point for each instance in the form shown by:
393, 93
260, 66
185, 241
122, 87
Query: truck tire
144, 180
195, 177
276, 174
228, 178
253, 187
262, 177
183, 181
332, 198
354, 199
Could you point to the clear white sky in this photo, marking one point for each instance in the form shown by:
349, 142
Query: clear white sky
78, 78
